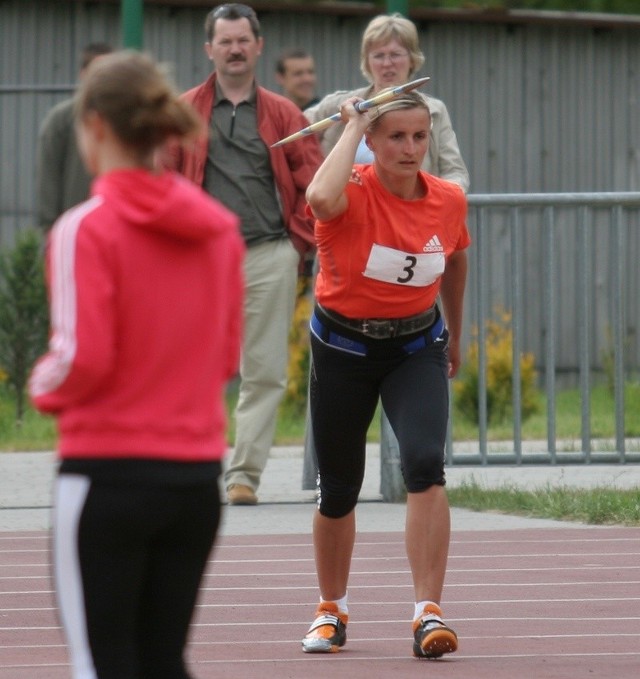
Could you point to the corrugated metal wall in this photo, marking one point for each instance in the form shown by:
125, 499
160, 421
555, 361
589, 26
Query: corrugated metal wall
536, 108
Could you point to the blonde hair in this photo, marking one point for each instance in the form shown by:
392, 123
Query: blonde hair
386, 27
406, 101
133, 94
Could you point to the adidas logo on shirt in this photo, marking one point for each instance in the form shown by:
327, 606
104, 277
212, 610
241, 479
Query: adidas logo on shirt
434, 245
355, 177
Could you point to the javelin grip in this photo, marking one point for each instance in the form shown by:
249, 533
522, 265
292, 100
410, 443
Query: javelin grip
360, 106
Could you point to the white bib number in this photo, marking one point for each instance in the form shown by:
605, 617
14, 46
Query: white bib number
402, 268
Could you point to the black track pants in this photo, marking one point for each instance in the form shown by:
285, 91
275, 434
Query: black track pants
128, 563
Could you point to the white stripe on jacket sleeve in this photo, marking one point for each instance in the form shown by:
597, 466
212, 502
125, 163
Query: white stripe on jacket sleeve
52, 370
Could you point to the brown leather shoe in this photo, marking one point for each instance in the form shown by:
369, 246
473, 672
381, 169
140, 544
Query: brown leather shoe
238, 494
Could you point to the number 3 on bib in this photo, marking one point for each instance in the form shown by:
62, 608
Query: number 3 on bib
404, 268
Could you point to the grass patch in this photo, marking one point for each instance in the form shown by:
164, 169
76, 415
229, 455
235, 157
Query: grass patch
37, 432
568, 417
600, 506
34, 432
291, 424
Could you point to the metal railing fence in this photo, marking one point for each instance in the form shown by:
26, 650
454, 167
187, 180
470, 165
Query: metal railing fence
555, 212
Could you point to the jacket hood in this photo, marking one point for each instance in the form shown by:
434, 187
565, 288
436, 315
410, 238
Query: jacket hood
166, 203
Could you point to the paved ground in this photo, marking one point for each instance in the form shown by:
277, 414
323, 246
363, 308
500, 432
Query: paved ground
26, 479
529, 598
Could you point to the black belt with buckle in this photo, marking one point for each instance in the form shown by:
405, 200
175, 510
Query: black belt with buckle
384, 328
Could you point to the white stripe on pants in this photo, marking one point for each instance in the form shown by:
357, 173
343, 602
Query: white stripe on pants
70, 493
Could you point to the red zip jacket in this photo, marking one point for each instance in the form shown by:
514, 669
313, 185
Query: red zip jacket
293, 164
146, 290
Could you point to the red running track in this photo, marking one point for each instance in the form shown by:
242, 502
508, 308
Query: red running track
531, 603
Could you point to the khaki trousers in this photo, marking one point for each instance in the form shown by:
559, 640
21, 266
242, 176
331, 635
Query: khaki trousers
271, 273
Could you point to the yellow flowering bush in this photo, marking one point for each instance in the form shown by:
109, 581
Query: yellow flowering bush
499, 378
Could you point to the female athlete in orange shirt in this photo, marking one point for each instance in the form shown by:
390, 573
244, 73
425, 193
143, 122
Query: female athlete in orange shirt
391, 238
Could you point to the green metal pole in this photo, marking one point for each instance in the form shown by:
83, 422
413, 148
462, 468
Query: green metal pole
131, 11
401, 6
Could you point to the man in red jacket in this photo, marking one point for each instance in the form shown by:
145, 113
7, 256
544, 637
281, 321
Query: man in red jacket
265, 187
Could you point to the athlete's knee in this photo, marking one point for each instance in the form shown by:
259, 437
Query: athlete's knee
421, 471
421, 485
337, 499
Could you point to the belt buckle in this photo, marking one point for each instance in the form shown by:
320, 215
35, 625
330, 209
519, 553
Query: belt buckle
378, 329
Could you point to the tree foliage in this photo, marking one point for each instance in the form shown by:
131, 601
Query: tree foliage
24, 319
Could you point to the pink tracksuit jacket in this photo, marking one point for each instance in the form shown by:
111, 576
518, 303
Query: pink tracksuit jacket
146, 293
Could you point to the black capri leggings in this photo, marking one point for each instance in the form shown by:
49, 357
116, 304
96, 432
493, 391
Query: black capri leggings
344, 392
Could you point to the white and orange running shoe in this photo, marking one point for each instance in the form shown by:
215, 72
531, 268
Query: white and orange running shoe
328, 632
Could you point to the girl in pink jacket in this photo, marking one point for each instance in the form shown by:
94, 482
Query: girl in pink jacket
146, 291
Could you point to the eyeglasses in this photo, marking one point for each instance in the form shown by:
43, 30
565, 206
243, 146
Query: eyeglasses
394, 57
232, 10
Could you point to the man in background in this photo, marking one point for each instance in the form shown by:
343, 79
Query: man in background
265, 187
296, 74
61, 178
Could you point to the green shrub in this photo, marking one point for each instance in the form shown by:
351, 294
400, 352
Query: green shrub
24, 318
499, 378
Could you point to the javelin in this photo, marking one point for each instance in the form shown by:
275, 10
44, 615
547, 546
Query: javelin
360, 106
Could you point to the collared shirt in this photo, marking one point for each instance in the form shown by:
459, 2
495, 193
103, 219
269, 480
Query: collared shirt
238, 170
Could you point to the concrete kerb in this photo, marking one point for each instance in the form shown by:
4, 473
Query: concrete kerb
26, 484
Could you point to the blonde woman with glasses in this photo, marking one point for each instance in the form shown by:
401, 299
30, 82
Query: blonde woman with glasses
390, 55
